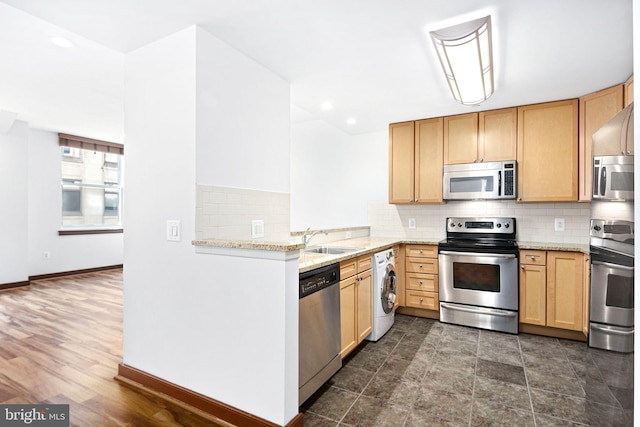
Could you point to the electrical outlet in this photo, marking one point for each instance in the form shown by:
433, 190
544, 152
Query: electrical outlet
347, 235
173, 230
46, 255
257, 228
412, 223
559, 224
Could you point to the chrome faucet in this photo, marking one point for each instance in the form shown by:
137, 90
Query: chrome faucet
306, 239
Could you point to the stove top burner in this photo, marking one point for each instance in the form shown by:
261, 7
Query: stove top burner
482, 235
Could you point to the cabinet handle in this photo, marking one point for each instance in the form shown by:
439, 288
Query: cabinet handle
622, 152
475, 161
420, 282
420, 250
420, 266
522, 266
420, 299
482, 160
628, 152
586, 259
533, 257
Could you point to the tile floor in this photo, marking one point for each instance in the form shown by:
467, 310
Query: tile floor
426, 373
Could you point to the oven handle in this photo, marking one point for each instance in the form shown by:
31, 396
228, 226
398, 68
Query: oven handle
480, 254
608, 264
478, 310
610, 331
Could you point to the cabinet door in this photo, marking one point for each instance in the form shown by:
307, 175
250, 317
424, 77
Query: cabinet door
497, 135
364, 294
628, 91
428, 161
548, 152
564, 290
596, 109
401, 162
533, 284
347, 316
461, 139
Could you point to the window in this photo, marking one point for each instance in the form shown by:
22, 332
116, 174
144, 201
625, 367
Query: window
91, 185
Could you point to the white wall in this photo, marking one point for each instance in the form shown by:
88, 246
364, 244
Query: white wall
68, 253
224, 326
242, 120
13, 193
334, 175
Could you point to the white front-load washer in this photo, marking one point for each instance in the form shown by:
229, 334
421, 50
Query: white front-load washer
384, 293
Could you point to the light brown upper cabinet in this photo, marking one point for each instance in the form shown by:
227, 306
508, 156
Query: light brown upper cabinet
548, 152
596, 109
628, 91
415, 162
488, 136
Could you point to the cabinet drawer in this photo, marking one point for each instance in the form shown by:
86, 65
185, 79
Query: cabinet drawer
364, 263
348, 268
422, 282
531, 257
422, 265
419, 299
424, 251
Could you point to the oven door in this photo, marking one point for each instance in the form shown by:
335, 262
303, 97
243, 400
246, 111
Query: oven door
479, 279
611, 293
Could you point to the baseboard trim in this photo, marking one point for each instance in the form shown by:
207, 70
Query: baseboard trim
13, 285
74, 272
552, 332
419, 312
220, 412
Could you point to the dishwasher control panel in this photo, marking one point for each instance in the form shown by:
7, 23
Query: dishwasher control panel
318, 279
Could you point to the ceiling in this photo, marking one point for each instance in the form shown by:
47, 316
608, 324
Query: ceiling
371, 59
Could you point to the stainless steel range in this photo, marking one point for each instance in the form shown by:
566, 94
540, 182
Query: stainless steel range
478, 273
611, 325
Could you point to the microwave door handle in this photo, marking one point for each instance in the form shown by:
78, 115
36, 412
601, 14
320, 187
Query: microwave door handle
603, 180
499, 183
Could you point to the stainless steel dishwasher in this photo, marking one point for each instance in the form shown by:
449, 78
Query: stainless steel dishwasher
319, 328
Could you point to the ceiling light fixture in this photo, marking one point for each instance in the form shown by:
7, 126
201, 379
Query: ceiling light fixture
326, 106
466, 56
351, 121
61, 42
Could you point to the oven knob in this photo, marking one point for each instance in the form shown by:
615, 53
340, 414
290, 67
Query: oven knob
597, 227
499, 225
506, 225
459, 224
453, 224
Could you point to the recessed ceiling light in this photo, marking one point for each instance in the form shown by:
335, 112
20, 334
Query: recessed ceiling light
326, 106
61, 42
351, 121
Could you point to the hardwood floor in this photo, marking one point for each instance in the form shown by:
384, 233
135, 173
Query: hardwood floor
61, 342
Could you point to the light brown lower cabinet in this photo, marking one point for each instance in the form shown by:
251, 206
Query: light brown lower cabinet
552, 289
421, 277
356, 302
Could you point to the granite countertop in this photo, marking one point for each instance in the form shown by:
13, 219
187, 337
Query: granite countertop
568, 247
364, 245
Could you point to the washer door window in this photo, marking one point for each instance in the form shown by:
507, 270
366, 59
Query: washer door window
388, 294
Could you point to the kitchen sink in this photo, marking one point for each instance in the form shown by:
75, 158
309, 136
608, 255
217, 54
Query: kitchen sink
330, 250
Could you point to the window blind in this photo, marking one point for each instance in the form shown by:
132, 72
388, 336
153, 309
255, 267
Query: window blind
66, 140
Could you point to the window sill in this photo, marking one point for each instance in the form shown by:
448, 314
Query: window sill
74, 232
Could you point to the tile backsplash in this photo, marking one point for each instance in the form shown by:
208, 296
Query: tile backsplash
226, 213
534, 221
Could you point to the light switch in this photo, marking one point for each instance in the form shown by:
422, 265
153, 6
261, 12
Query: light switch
173, 230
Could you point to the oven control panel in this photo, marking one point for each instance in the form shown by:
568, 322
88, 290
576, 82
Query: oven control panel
481, 225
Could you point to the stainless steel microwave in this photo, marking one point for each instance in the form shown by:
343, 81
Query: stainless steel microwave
613, 177
479, 181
